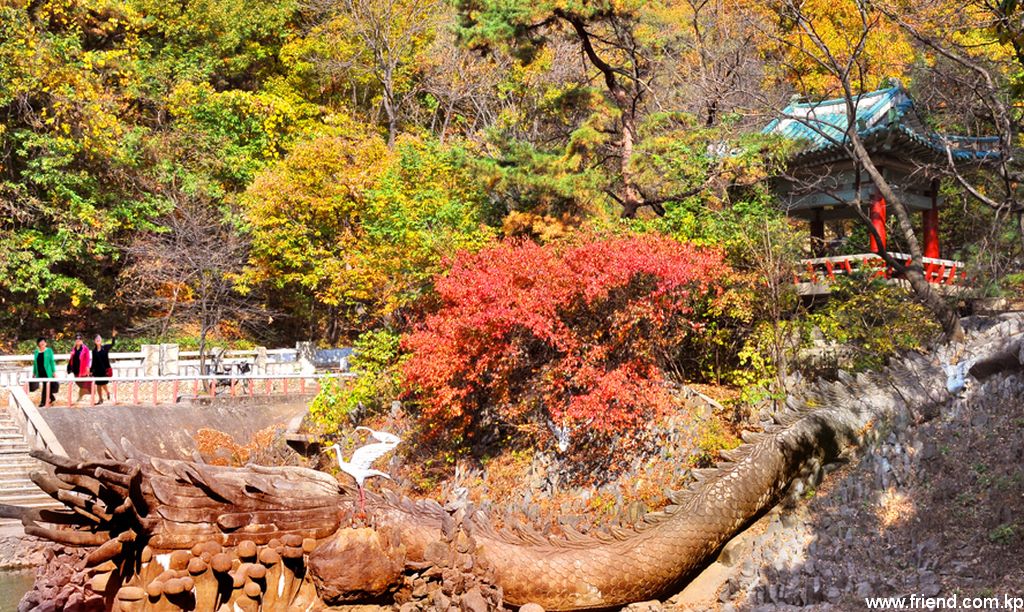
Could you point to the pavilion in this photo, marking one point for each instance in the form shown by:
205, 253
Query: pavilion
824, 183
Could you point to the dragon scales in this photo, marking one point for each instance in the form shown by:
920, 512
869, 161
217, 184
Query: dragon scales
180, 535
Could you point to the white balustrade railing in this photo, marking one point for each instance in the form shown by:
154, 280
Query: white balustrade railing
157, 390
15, 368
33, 425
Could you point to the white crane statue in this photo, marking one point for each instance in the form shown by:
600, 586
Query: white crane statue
363, 457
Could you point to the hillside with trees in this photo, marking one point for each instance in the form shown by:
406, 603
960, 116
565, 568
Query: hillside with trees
487, 184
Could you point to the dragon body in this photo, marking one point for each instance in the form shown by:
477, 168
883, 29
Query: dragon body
278, 538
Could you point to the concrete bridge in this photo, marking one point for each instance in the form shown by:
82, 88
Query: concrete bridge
159, 401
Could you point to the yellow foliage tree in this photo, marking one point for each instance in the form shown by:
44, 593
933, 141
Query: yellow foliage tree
873, 45
304, 214
357, 228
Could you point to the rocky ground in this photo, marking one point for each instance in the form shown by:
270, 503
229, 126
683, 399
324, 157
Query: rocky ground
59, 584
934, 510
18, 551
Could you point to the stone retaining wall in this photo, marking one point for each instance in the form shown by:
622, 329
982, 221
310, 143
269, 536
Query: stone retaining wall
168, 431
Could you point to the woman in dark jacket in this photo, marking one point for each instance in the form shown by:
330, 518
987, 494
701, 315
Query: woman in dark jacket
43, 366
101, 364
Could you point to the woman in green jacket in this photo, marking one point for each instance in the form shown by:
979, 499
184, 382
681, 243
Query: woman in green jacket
43, 366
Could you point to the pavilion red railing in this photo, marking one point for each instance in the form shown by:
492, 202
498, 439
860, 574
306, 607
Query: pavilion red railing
823, 270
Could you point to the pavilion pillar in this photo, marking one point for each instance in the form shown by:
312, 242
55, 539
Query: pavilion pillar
930, 223
817, 234
930, 228
878, 221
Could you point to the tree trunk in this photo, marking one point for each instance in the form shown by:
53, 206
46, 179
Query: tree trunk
946, 315
392, 124
202, 349
1020, 227
166, 323
631, 198
389, 106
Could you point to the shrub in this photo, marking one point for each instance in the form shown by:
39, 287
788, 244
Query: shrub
375, 361
220, 448
873, 321
570, 335
330, 408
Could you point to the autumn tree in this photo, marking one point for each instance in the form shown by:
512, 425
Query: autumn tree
352, 231
185, 272
809, 37
462, 90
541, 117
69, 164
632, 59
609, 37
719, 70
972, 84
843, 65
375, 47
103, 106
582, 335
230, 44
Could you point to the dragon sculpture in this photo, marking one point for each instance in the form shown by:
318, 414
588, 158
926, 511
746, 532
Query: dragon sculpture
168, 535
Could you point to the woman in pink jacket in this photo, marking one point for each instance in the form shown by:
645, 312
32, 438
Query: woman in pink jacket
78, 365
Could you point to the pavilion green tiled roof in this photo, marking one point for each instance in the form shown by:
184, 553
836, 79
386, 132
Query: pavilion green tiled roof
884, 117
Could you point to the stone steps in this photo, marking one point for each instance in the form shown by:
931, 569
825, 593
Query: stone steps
20, 496
16, 488
16, 449
13, 462
17, 479
27, 499
19, 470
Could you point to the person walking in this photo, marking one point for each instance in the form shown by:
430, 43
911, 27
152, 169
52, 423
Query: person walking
43, 366
79, 365
101, 364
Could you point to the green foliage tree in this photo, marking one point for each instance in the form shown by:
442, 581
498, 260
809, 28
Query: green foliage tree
371, 53
70, 166
614, 37
615, 140
111, 112
230, 44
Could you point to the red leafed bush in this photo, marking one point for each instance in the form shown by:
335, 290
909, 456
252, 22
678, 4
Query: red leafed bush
580, 334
